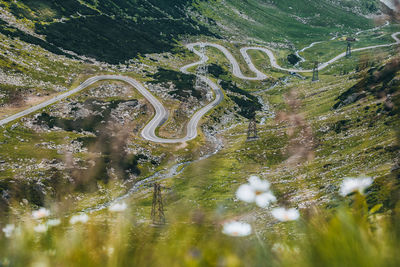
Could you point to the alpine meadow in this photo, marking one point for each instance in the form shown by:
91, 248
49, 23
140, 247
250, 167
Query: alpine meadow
200, 133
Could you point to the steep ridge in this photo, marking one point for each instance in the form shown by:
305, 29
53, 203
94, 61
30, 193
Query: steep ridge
112, 31
118, 30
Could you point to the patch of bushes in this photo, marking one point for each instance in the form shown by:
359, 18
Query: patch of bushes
89, 123
15, 33
106, 143
248, 103
341, 126
293, 59
216, 70
184, 83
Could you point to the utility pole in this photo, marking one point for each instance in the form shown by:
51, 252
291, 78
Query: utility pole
157, 208
315, 72
252, 131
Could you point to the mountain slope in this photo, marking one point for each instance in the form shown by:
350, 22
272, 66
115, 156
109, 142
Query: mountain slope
110, 30
288, 20
117, 30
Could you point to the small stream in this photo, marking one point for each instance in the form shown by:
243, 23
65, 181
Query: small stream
302, 59
171, 172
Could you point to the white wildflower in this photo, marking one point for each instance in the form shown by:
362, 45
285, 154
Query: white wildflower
245, 193
280, 248
351, 185
82, 218
53, 222
40, 228
258, 184
285, 215
110, 251
118, 207
40, 213
256, 190
283, 248
236, 229
265, 199
9, 230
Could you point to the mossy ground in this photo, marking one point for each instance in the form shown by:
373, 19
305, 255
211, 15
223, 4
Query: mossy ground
211, 183
364, 145
305, 151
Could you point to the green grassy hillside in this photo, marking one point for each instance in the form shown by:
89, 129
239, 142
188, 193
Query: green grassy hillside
289, 21
117, 30
77, 177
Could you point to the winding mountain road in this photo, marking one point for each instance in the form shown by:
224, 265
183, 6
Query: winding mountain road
259, 75
161, 114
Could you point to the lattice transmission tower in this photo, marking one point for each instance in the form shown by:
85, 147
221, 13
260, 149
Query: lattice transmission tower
349, 41
157, 208
252, 131
315, 72
348, 50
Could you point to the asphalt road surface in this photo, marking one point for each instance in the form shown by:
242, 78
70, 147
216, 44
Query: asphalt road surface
161, 114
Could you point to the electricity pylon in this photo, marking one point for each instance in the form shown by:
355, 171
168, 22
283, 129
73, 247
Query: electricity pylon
252, 131
157, 208
349, 41
348, 50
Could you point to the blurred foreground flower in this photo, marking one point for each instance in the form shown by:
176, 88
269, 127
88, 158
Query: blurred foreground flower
236, 229
285, 215
53, 222
40, 213
41, 228
281, 248
8, 230
118, 207
256, 190
82, 218
351, 185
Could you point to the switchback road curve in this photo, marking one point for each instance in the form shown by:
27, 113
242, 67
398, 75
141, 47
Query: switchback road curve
261, 76
161, 114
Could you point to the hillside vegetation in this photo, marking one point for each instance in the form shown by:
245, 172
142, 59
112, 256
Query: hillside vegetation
288, 21
109, 30
117, 30
318, 184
